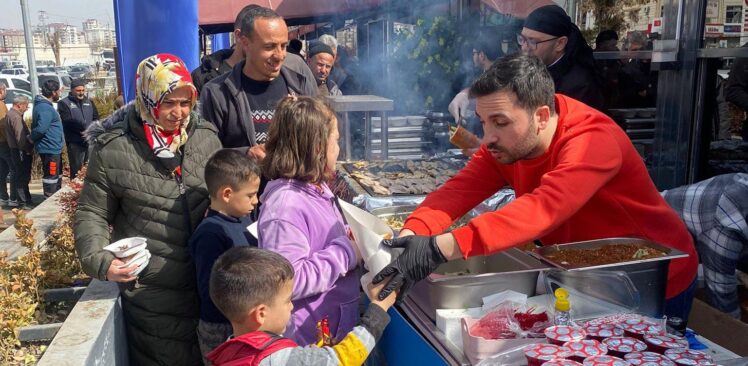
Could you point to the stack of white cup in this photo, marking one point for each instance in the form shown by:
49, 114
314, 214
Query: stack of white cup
132, 249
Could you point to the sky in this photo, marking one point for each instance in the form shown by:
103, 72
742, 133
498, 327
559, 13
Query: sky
72, 12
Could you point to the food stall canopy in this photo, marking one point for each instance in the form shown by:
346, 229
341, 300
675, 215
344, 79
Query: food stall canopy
216, 16
517, 8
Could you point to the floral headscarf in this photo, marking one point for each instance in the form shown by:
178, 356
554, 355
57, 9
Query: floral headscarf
156, 77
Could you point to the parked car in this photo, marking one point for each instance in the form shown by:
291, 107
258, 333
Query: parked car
62, 71
14, 71
45, 69
77, 72
14, 82
63, 80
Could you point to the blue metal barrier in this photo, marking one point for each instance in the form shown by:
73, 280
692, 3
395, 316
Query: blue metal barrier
148, 27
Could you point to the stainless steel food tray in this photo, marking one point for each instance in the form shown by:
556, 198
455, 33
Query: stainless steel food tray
649, 276
541, 252
445, 288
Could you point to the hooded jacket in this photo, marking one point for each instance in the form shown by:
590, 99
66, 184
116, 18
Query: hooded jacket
46, 127
128, 188
211, 66
224, 103
301, 222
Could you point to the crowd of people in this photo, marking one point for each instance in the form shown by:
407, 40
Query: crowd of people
248, 138
51, 128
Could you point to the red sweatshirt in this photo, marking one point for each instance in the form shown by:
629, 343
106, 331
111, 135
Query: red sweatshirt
590, 184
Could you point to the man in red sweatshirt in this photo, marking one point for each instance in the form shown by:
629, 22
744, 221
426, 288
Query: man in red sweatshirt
575, 173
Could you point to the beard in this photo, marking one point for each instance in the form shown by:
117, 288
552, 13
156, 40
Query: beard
522, 150
55, 98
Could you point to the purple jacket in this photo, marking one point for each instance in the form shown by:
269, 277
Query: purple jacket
300, 221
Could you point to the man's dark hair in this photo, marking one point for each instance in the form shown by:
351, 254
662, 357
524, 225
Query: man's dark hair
245, 21
606, 35
49, 87
489, 45
524, 75
244, 277
295, 46
228, 167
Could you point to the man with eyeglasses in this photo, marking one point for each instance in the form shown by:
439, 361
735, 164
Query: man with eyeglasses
549, 34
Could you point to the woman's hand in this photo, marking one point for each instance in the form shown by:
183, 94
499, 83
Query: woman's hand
117, 274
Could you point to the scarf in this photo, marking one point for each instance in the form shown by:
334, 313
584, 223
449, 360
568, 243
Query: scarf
157, 76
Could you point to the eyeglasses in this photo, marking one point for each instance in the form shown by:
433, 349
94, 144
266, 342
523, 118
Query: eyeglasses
530, 43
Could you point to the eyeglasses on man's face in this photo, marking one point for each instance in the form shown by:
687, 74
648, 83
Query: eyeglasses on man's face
531, 43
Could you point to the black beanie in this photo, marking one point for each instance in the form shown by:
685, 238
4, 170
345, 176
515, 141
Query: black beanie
551, 20
320, 48
76, 83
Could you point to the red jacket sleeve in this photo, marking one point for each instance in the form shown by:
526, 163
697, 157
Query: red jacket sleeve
472, 185
584, 164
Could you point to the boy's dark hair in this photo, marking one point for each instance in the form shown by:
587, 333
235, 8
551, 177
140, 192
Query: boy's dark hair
245, 20
524, 75
228, 167
244, 277
49, 87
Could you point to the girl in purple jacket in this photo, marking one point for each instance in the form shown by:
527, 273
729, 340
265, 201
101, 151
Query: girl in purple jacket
299, 218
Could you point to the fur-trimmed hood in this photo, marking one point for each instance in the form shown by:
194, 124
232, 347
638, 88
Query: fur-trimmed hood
100, 126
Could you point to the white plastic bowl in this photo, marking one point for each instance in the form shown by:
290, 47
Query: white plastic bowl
126, 247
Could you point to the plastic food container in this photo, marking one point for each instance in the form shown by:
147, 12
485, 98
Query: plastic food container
537, 354
478, 348
604, 361
585, 348
648, 359
560, 334
684, 356
561, 362
620, 346
662, 343
639, 327
126, 247
602, 331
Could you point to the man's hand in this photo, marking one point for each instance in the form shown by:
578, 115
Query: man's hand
257, 152
117, 274
459, 105
420, 257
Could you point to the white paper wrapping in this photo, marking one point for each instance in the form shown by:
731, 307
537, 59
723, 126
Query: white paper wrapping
368, 232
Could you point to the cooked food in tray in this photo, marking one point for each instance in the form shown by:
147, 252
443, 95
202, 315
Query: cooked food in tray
606, 254
403, 177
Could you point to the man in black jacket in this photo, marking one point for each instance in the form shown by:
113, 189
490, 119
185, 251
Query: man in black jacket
241, 103
549, 34
77, 112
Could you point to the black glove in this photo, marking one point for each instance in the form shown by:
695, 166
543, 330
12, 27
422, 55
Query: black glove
420, 257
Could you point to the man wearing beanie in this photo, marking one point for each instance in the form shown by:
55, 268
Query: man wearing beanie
77, 112
549, 34
321, 59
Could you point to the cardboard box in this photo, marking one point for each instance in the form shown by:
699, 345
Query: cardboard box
719, 328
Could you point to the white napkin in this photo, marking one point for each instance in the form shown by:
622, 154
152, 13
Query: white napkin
368, 232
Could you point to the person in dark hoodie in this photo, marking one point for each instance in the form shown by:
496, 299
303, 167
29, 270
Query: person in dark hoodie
241, 103
549, 34
46, 133
216, 64
77, 113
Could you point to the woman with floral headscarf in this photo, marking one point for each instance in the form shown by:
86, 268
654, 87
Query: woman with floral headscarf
145, 179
